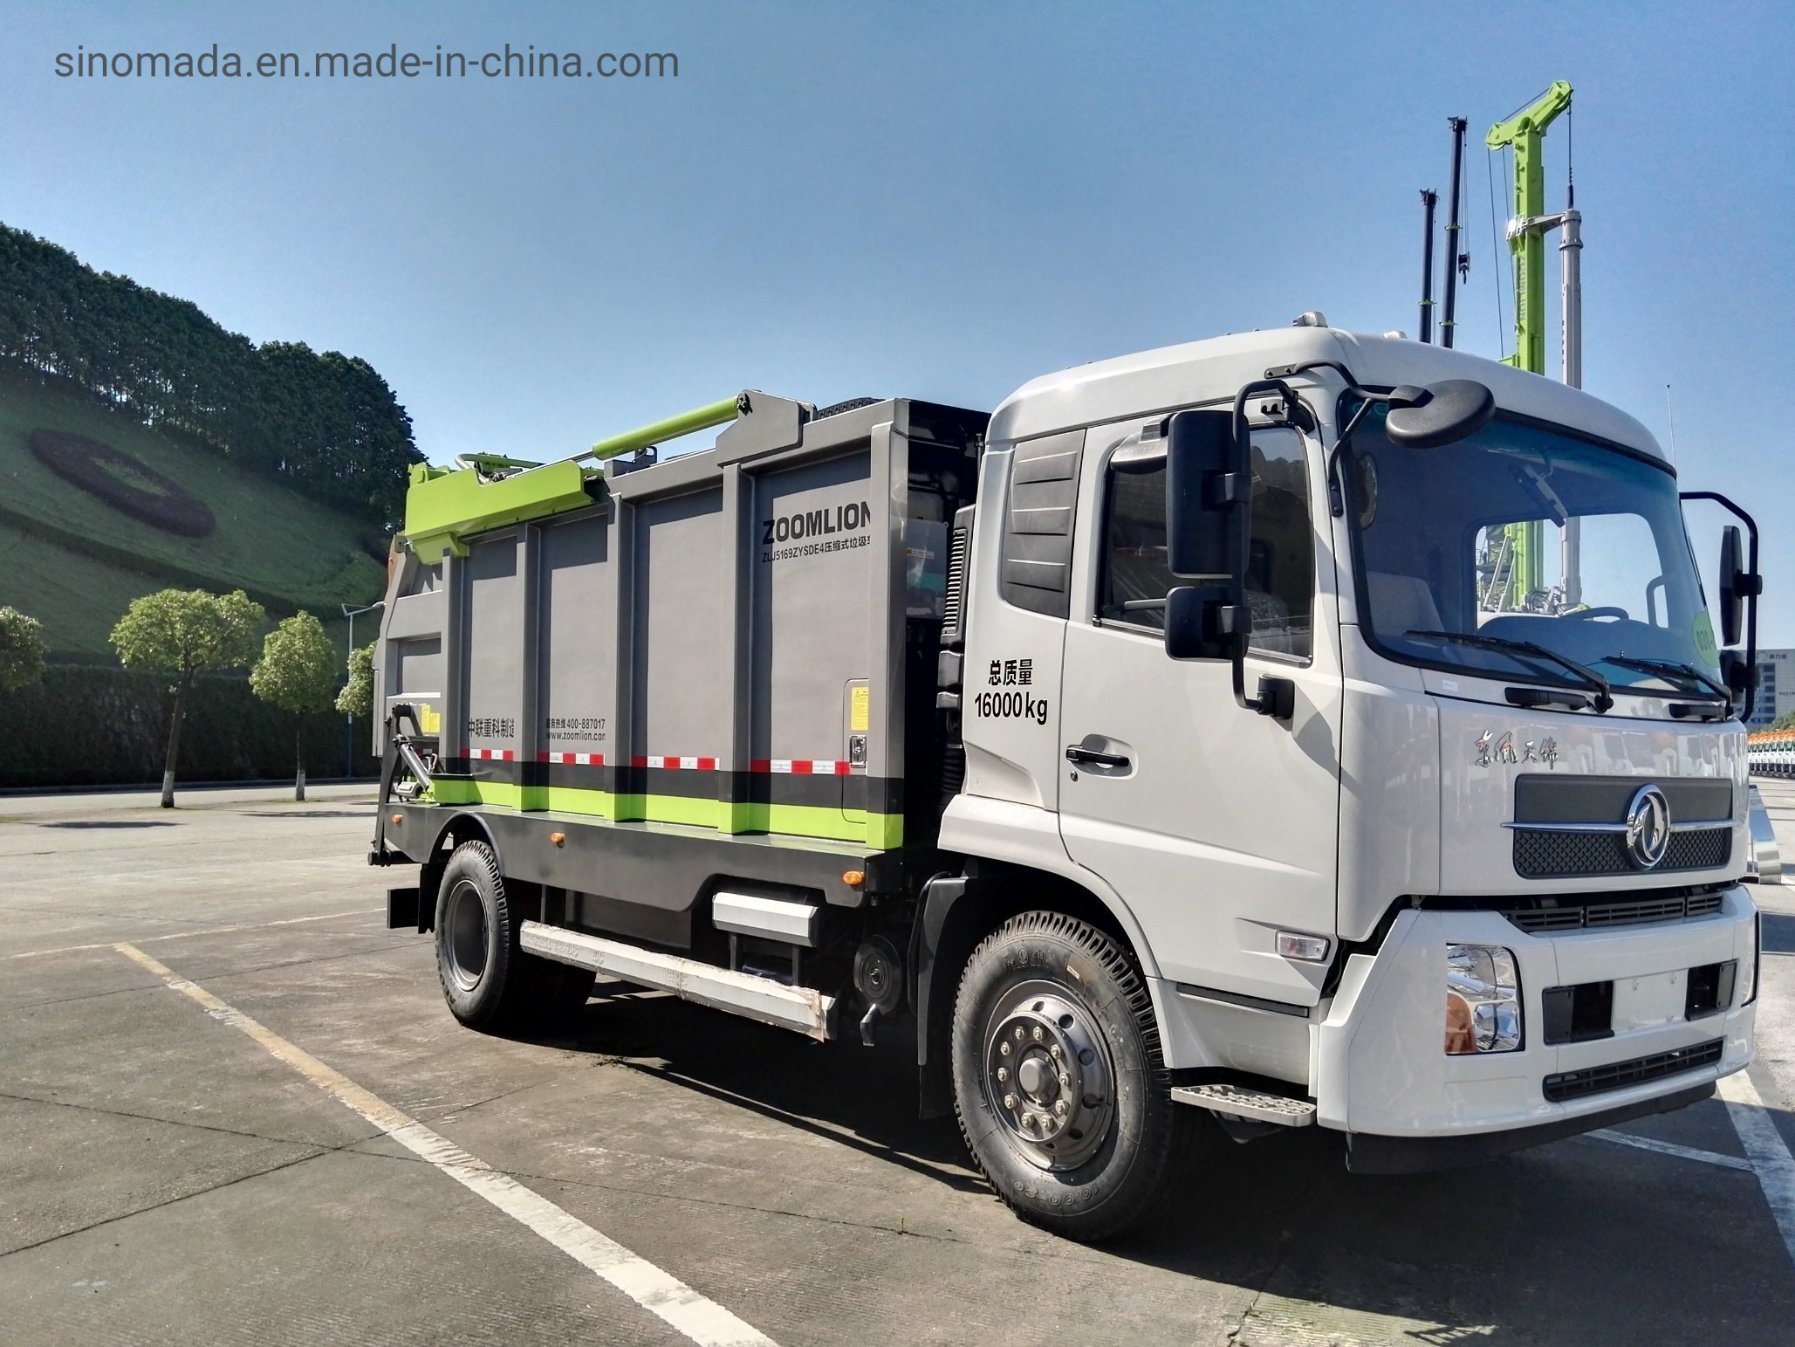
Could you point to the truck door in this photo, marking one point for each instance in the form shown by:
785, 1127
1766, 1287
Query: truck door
1217, 826
1024, 558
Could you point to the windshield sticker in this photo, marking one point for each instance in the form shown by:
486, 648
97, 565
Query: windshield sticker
1704, 638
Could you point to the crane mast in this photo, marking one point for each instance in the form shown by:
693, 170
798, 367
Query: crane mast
1525, 133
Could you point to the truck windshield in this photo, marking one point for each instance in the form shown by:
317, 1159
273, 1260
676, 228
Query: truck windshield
1523, 534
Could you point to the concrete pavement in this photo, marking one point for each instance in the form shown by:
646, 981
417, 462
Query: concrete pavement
165, 1176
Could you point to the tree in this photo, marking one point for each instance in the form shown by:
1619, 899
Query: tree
357, 696
324, 422
297, 672
185, 633
21, 649
1786, 721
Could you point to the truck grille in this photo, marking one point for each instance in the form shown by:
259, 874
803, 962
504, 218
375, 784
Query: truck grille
1540, 854
1620, 1075
1575, 913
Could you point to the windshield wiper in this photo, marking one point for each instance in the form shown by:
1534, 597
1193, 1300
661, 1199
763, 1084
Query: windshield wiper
1598, 685
1673, 669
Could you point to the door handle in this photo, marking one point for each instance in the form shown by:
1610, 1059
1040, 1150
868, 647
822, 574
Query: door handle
1090, 757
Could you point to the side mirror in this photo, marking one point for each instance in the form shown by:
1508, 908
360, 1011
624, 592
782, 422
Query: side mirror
1208, 491
1734, 584
1208, 499
1740, 588
1440, 414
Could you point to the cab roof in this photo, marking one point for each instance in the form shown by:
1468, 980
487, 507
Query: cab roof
1208, 371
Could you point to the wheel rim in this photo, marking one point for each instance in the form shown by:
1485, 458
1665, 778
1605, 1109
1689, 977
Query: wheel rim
466, 943
1047, 1075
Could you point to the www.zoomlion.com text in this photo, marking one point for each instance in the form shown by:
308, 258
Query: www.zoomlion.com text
507, 63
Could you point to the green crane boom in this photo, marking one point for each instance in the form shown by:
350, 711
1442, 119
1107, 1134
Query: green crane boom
1526, 131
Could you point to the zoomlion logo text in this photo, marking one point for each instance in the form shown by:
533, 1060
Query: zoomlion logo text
816, 531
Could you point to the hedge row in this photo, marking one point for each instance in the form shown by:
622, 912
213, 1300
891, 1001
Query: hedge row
95, 726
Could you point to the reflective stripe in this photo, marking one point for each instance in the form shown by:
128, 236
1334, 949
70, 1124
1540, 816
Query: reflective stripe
802, 766
683, 763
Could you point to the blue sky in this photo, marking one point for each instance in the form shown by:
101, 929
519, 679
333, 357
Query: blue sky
925, 199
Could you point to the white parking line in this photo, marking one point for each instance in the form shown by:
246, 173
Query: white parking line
188, 935
660, 1293
1764, 1144
1671, 1148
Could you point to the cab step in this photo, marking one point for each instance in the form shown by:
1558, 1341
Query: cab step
802, 1009
1239, 1102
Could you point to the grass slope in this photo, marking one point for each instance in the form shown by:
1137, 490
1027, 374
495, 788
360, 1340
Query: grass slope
74, 562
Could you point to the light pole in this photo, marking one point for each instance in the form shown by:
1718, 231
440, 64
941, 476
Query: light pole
349, 720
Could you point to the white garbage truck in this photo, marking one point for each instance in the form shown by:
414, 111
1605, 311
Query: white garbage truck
1297, 728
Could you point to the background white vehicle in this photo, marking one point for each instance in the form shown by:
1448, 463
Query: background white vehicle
1180, 740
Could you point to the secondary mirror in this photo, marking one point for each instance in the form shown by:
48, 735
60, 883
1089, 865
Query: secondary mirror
1204, 622
1440, 414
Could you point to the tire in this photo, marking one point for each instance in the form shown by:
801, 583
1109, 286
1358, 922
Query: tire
560, 990
1087, 1040
488, 981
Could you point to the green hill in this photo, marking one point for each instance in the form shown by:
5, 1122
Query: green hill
74, 560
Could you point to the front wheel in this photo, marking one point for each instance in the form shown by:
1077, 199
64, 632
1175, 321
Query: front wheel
1059, 1085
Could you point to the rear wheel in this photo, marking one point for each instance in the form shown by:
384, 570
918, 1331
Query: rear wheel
1059, 1084
487, 980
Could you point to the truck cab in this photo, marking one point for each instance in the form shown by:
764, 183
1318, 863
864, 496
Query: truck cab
1474, 879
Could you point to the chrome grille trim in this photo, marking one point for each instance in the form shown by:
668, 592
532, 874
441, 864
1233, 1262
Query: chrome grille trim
1693, 825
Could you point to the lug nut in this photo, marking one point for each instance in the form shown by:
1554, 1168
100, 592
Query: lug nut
1062, 1108
1054, 1052
1021, 1033
1009, 1101
1065, 1080
1037, 1033
1003, 1073
1004, 1048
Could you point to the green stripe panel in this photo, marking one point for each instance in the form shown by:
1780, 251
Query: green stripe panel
883, 832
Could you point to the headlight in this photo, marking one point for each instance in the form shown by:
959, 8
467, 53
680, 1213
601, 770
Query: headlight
1748, 968
1483, 1000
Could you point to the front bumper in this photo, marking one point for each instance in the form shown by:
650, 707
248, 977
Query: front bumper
1380, 1071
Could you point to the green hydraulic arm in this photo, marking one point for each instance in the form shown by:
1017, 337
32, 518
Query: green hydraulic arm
1526, 131
699, 418
443, 505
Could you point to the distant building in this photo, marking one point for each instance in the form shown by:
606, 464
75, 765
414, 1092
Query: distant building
1776, 688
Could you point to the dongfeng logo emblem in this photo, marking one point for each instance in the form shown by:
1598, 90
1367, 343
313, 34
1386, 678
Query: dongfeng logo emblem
1487, 750
1648, 827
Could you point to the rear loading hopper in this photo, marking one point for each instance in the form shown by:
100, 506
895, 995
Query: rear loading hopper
740, 641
